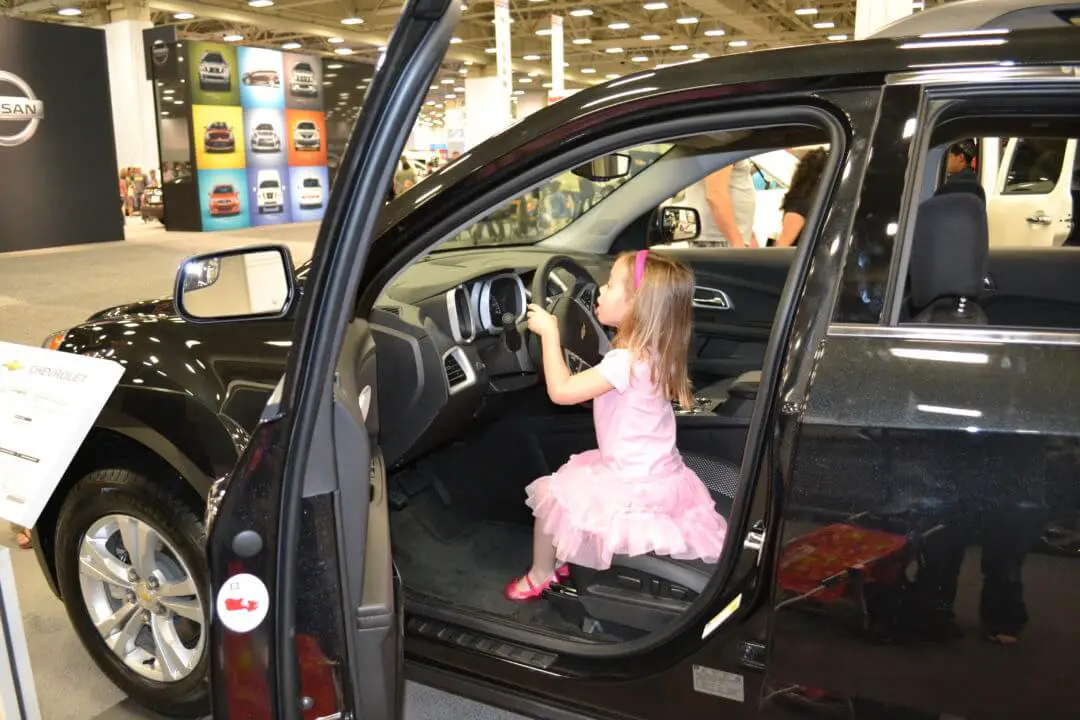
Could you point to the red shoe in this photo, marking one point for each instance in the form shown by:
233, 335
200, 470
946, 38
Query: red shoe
563, 571
514, 593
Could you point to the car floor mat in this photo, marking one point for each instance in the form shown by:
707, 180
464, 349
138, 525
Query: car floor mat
472, 570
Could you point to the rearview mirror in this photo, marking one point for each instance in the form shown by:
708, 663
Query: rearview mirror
678, 224
605, 168
244, 283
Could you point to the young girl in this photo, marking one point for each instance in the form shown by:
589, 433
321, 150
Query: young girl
633, 494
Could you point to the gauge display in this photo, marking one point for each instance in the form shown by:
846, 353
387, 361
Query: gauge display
500, 297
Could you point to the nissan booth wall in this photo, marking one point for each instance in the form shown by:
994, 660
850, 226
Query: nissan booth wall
59, 184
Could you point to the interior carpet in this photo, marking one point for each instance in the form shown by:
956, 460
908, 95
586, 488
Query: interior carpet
471, 569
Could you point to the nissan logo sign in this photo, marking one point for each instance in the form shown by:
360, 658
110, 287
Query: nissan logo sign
20, 114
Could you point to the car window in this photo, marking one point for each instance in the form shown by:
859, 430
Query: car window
214, 58
1035, 166
222, 189
541, 212
269, 184
311, 182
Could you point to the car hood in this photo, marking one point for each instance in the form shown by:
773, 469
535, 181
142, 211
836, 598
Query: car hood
162, 307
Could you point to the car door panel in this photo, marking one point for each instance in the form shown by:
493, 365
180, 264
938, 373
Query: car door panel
735, 301
1033, 287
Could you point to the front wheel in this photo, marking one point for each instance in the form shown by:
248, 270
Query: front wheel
132, 572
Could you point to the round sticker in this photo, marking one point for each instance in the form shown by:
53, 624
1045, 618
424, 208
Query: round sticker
242, 603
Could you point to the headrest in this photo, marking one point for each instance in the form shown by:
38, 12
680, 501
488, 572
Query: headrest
950, 249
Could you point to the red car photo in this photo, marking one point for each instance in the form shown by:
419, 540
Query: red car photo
224, 201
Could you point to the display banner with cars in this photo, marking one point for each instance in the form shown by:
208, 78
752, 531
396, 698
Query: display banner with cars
57, 147
258, 132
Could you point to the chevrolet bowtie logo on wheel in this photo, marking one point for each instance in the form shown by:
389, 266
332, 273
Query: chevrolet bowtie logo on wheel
21, 113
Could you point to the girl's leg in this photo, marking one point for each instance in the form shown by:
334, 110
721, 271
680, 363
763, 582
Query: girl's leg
543, 566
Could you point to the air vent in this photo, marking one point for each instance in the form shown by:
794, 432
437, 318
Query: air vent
392, 309
455, 374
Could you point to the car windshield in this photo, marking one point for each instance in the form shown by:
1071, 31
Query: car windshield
268, 184
306, 126
302, 67
548, 209
214, 58
264, 127
311, 182
223, 189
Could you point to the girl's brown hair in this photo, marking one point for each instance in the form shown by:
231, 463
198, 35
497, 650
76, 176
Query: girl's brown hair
660, 322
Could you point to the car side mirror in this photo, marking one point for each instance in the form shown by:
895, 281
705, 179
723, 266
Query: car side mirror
255, 283
605, 168
677, 224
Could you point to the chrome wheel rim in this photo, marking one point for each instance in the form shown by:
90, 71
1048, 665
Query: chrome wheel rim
142, 598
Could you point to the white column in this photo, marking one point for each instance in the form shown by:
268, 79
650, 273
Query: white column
558, 69
504, 64
487, 109
872, 15
132, 95
529, 103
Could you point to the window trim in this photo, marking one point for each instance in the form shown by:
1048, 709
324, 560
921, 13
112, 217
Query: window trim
935, 102
975, 334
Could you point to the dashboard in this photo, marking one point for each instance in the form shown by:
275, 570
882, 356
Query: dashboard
451, 341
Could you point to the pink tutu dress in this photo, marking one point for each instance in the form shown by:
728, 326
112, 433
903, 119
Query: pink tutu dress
633, 494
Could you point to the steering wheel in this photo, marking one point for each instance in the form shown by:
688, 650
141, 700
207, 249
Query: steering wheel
584, 341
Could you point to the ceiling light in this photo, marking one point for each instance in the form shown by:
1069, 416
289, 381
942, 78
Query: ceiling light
382, 49
352, 21
455, 40
177, 102
738, 43
640, 58
448, 81
581, 12
582, 41
525, 80
325, 82
334, 66
824, 25
335, 40
687, 20
343, 51
534, 74
433, 87
615, 50
715, 33
612, 76
468, 62
531, 58
463, 71
679, 48
519, 92
490, 51
543, 32
648, 38
655, 6
701, 56
806, 11
619, 26
260, 3
168, 92
588, 71
183, 16
291, 46
838, 37
451, 97
233, 38
547, 85
69, 12
459, 89
330, 75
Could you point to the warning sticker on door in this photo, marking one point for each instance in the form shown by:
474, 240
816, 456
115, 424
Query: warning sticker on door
719, 683
242, 603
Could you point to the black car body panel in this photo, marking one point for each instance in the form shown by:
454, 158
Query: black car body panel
822, 452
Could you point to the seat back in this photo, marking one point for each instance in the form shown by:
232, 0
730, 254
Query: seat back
950, 254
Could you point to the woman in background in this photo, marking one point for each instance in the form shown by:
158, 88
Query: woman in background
800, 196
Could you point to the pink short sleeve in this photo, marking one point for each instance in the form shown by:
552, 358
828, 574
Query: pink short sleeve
615, 367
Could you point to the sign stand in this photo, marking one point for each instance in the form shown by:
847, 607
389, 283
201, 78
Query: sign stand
18, 694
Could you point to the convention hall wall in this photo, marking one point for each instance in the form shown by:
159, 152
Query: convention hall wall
59, 184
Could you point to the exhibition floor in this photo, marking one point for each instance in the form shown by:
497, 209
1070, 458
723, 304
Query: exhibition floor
43, 291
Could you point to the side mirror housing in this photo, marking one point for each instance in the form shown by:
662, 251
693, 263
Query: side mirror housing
676, 224
605, 168
255, 283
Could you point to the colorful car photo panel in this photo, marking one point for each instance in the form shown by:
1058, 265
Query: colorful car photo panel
268, 193
223, 199
219, 137
303, 82
264, 136
213, 74
308, 191
306, 132
261, 73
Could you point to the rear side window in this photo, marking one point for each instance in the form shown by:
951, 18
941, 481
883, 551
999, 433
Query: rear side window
1035, 166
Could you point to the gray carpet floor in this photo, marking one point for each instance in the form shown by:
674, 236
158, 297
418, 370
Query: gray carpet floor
43, 291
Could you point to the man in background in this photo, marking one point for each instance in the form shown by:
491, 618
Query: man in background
725, 202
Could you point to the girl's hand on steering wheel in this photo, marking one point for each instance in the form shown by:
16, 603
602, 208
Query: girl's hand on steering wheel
542, 323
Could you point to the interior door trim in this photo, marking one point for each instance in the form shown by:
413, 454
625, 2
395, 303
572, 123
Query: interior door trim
707, 298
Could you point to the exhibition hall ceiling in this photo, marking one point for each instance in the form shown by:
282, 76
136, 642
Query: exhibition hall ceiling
603, 38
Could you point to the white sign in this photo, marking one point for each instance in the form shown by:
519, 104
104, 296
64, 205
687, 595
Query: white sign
48, 403
558, 69
21, 114
242, 603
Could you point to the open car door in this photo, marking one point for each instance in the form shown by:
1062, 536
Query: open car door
306, 617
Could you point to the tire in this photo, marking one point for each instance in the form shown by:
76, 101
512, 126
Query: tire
100, 504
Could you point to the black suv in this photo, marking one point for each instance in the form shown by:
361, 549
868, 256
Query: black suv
885, 413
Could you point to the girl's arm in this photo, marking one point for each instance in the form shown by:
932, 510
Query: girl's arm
563, 387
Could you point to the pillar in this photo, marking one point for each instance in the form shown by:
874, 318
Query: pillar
872, 15
132, 93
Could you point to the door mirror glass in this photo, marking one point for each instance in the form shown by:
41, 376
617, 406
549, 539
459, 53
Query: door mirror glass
605, 168
678, 224
235, 284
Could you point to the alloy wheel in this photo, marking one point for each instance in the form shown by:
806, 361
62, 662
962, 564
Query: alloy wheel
141, 597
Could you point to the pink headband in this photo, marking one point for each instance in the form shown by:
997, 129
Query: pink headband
639, 267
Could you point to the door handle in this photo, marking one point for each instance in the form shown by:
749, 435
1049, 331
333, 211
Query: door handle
711, 299
755, 538
1039, 218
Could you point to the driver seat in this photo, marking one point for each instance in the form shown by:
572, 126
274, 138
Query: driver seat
639, 594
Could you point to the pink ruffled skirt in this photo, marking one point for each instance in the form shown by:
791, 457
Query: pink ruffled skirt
592, 512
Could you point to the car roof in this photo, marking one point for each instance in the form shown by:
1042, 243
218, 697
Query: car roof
968, 15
